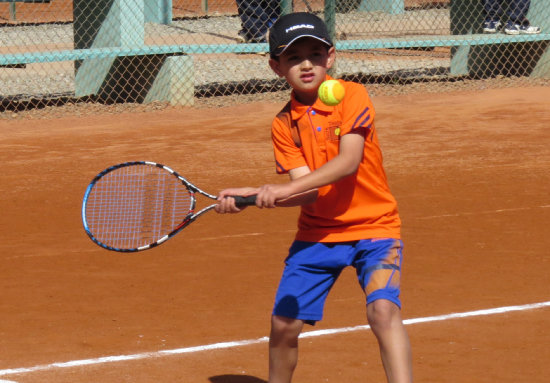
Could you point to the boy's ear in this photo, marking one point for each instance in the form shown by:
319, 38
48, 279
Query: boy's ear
274, 64
331, 57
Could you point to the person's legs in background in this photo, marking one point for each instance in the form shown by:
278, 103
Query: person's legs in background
493, 12
273, 11
518, 22
257, 16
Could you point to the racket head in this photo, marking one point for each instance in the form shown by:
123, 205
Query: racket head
137, 205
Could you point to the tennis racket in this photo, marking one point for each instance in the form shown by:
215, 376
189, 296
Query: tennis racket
138, 205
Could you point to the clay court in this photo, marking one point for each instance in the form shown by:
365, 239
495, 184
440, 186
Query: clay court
470, 171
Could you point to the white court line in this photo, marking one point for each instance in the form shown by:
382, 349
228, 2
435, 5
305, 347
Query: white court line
460, 214
231, 236
226, 345
242, 235
484, 212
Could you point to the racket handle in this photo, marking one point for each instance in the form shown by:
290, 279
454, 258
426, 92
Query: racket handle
245, 201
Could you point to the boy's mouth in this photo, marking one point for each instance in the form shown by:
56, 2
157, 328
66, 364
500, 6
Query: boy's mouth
307, 77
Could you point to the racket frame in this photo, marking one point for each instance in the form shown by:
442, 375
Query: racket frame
190, 217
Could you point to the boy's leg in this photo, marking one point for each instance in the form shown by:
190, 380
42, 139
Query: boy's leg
384, 318
310, 272
379, 271
283, 348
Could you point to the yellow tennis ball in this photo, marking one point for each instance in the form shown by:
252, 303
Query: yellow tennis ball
331, 92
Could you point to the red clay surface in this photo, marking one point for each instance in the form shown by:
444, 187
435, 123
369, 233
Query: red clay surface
471, 175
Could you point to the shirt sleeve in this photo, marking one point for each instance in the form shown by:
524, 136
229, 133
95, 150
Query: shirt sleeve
287, 154
357, 109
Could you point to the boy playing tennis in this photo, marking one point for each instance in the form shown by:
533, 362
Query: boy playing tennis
348, 214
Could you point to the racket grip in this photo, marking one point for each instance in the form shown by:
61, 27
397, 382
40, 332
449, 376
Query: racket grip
245, 201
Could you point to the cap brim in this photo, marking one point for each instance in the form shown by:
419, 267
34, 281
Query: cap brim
283, 48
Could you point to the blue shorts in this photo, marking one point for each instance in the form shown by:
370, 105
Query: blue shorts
312, 268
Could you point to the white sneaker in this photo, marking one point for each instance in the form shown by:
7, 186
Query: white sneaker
516, 29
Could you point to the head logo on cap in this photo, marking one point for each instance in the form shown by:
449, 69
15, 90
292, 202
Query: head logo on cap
293, 26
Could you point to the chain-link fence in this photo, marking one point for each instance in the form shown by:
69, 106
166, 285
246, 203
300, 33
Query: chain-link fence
177, 50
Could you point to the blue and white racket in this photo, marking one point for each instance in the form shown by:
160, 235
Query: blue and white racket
138, 205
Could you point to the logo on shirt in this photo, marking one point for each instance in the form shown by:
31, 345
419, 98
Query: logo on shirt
333, 130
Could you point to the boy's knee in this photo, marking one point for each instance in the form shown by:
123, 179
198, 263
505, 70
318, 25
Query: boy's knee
382, 313
285, 328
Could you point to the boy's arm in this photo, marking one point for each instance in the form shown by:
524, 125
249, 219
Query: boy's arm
227, 205
299, 199
347, 161
302, 189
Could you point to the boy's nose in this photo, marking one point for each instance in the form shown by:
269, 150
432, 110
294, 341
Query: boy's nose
306, 64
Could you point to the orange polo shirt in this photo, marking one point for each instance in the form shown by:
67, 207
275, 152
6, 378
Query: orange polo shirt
356, 207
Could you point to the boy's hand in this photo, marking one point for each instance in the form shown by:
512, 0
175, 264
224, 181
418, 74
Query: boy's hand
226, 203
268, 195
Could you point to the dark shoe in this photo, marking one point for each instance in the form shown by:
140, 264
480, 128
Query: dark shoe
242, 37
491, 26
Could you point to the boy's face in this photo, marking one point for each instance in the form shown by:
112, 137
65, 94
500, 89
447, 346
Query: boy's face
304, 65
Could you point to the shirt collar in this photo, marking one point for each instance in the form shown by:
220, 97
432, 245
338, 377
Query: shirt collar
298, 109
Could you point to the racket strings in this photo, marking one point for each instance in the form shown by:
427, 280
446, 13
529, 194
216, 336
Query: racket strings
135, 206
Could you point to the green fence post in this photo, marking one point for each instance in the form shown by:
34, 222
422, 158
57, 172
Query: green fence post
330, 21
13, 12
539, 15
158, 11
286, 7
330, 17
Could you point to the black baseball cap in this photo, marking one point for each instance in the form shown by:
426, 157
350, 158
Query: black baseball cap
289, 28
